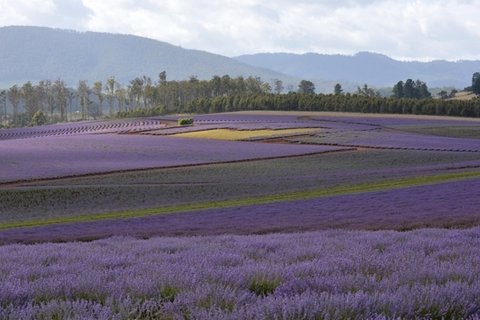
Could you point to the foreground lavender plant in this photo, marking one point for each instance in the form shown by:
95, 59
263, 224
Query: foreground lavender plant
329, 275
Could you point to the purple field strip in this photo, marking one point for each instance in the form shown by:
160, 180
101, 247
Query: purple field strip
50, 157
239, 117
421, 274
228, 125
448, 204
379, 120
84, 127
361, 120
386, 138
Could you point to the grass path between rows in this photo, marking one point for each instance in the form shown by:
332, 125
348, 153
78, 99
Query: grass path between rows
386, 185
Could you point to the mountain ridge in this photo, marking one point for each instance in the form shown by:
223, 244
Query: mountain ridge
30, 53
366, 67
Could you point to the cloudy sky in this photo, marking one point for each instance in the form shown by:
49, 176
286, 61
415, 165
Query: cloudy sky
408, 30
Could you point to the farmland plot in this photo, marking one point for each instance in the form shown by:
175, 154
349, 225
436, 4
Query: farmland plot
50, 157
229, 245
373, 148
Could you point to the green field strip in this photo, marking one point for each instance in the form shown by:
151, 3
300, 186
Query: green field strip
387, 185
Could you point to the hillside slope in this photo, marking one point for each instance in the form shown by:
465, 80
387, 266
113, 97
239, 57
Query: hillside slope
36, 53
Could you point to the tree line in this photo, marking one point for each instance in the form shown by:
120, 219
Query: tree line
55, 102
330, 102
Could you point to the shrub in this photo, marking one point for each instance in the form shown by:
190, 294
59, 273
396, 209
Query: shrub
38, 119
185, 121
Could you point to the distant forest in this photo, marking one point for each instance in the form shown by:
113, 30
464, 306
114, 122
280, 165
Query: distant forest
50, 102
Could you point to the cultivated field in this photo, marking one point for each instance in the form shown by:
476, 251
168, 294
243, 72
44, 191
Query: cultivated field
293, 216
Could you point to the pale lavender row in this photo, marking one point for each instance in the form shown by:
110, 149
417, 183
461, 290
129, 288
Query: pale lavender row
386, 138
84, 127
49, 157
421, 274
360, 120
388, 120
228, 125
450, 204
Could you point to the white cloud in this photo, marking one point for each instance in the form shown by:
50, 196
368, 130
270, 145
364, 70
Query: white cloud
411, 29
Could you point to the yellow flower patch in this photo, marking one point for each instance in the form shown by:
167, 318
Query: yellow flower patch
229, 134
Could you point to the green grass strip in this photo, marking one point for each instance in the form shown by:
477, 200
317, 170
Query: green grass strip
299, 195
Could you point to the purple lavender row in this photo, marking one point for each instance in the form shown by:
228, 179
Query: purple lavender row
450, 204
359, 119
84, 127
386, 138
422, 274
228, 125
389, 120
49, 157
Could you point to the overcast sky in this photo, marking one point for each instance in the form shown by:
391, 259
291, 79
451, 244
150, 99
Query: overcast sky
408, 30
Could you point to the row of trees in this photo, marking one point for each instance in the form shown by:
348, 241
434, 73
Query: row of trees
331, 102
144, 97
411, 90
48, 97
109, 97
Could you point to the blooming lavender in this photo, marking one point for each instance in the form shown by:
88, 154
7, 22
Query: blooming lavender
452, 204
330, 275
86, 154
389, 139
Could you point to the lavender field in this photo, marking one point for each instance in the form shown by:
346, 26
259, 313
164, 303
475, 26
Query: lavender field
354, 217
425, 274
89, 154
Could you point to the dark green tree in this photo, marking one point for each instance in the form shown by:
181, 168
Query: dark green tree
337, 90
278, 86
476, 83
409, 89
398, 90
367, 92
306, 87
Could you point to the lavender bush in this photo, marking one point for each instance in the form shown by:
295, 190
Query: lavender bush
329, 275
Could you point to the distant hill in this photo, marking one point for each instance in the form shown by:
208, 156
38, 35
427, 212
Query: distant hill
36, 53
364, 67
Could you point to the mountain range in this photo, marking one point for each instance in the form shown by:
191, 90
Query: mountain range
366, 68
39, 53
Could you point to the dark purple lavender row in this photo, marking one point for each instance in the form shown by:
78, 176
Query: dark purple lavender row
386, 138
49, 157
310, 118
450, 204
421, 274
396, 120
